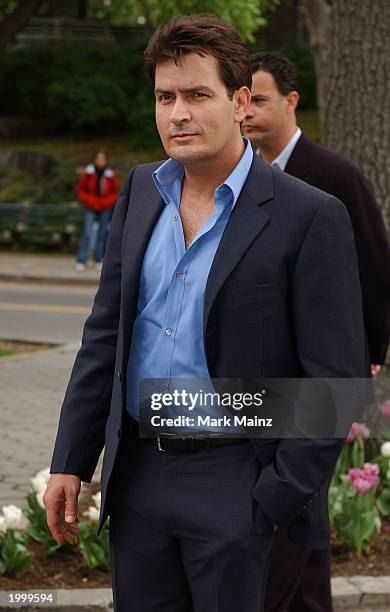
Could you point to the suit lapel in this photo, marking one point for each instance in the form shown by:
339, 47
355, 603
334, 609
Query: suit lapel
246, 222
298, 163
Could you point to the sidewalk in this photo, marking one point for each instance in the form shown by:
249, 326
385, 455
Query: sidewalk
357, 594
46, 268
33, 387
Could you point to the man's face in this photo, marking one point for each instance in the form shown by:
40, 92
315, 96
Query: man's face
195, 118
268, 111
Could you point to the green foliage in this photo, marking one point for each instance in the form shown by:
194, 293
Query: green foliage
99, 88
246, 17
14, 556
383, 502
352, 455
95, 549
16, 186
91, 103
7, 6
358, 520
37, 528
84, 88
354, 514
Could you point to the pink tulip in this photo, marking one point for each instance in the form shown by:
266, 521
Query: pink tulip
361, 485
371, 469
365, 478
358, 430
384, 408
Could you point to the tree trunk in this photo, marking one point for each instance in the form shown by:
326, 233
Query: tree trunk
317, 18
12, 24
356, 108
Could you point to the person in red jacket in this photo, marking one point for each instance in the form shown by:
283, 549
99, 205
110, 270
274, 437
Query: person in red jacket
97, 189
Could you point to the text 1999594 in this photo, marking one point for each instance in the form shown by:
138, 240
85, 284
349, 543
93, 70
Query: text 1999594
21, 598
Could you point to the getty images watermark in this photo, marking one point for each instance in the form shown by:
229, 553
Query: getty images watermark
194, 402
266, 408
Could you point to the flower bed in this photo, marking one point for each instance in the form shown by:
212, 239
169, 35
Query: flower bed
28, 553
359, 509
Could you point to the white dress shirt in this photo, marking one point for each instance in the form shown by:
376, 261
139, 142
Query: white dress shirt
283, 157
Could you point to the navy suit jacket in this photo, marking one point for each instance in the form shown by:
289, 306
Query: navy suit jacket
283, 299
338, 176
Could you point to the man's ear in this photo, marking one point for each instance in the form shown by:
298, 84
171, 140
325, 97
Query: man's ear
241, 100
292, 100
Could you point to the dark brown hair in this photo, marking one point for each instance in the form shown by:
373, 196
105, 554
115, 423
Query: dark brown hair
202, 34
280, 67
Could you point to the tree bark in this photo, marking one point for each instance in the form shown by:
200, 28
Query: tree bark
317, 18
12, 24
356, 103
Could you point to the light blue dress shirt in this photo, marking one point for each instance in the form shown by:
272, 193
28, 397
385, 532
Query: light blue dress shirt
167, 341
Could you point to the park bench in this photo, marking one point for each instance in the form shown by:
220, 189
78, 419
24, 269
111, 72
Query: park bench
46, 224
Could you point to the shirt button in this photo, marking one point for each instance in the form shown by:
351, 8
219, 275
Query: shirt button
178, 274
175, 218
168, 332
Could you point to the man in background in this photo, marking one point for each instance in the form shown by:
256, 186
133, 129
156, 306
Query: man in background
299, 580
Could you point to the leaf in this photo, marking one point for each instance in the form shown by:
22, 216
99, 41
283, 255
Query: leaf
383, 502
14, 556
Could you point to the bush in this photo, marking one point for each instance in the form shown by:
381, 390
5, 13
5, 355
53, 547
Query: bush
94, 103
84, 88
81, 88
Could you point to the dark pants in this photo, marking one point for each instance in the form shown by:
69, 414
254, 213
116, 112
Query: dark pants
183, 531
299, 580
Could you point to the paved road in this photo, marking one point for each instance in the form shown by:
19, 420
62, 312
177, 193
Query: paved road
43, 313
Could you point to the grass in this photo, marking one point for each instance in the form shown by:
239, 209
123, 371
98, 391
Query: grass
5, 352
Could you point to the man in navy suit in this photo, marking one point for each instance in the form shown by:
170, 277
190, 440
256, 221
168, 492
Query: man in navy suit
299, 579
214, 268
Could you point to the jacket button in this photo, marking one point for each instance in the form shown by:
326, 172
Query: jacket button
118, 432
119, 375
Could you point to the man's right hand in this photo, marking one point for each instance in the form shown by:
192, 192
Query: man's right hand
60, 500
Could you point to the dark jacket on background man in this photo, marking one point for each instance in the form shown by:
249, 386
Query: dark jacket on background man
338, 176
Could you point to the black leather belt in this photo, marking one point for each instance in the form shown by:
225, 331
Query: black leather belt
174, 444
168, 444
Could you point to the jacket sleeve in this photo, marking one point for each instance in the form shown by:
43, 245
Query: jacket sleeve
329, 330
80, 436
373, 252
81, 190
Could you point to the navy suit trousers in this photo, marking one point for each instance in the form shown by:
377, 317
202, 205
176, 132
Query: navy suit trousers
183, 530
